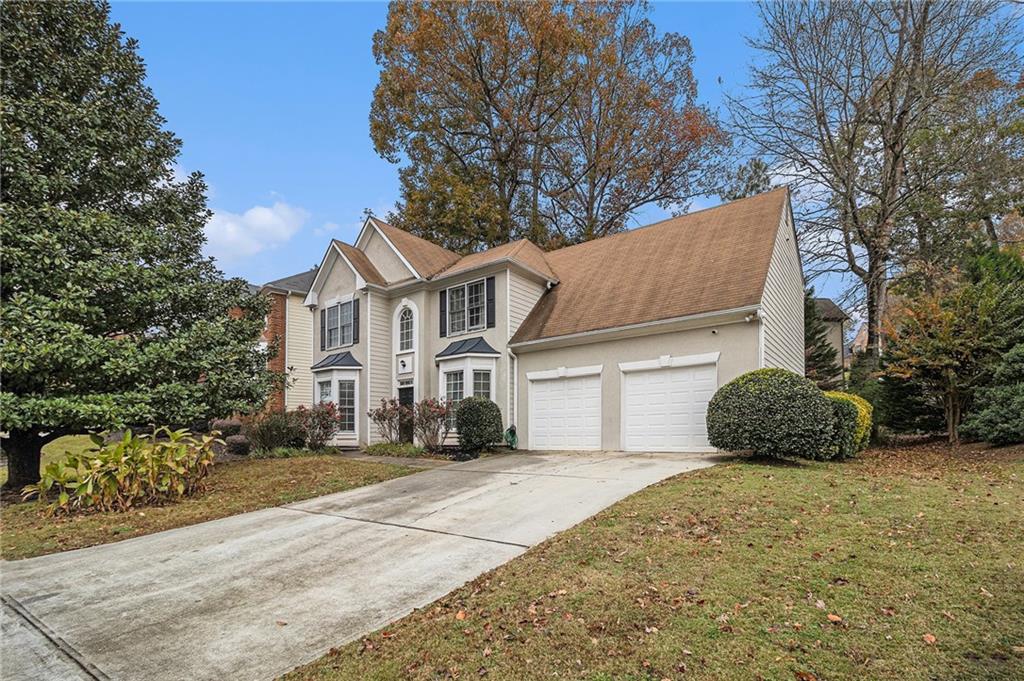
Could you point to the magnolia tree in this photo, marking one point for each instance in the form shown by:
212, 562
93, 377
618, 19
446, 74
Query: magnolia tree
111, 315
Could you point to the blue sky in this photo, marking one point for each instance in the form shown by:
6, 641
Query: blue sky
271, 101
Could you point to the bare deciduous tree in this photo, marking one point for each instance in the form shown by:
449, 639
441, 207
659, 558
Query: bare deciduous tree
841, 95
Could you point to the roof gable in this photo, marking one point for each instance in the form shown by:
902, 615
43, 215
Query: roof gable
708, 261
424, 258
524, 253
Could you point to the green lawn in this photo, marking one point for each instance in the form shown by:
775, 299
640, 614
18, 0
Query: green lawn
904, 564
233, 487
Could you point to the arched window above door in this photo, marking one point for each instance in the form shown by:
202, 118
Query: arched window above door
405, 330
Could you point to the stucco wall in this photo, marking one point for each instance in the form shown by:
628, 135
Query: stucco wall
384, 259
737, 342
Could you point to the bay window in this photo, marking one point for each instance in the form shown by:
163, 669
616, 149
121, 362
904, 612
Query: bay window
347, 406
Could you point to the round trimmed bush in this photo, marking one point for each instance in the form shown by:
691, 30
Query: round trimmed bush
237, 444
864, 413
227, 427
478, 421
772, 412
844, 436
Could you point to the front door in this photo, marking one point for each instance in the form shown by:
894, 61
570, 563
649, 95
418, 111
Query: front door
405, 398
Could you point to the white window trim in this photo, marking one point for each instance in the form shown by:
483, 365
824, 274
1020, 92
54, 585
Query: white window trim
448, 308
348, 300
666, 361
563, 372
407, 355
334, 375
467, 364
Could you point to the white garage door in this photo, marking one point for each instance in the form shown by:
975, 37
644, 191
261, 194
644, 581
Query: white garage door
565, 413
664, 409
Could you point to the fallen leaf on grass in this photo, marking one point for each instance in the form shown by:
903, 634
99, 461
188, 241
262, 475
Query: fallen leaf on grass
805, 676
460, 615
832, 617
929, 639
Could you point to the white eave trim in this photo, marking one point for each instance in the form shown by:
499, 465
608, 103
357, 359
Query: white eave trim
370, 222
503, 261
668, 361
563, 372
312, 295
710, 317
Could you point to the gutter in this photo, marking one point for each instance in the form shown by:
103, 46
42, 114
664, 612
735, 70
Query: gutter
750, 312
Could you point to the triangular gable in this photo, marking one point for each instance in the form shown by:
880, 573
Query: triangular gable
370, 226
333, 251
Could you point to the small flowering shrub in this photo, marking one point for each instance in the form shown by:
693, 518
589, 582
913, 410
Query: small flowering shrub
132, 471
320, 423
478, 421
388, 418
431, 423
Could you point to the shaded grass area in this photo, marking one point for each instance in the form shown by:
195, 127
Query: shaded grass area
232, 487
904, 564
56, 450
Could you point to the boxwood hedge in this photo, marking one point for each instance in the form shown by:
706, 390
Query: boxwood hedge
478, 421
864, 413
772, 412
844, 436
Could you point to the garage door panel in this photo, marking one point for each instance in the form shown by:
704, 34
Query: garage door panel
665, 409
565, 413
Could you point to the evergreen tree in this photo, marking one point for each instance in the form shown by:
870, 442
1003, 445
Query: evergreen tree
111, 315
819, 354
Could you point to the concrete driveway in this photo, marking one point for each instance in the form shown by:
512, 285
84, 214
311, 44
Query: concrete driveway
254, 595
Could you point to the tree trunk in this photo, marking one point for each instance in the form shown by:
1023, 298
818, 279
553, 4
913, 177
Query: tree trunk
23, 450
875, 308
953, 412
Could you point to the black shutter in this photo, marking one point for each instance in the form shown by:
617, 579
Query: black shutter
444, 312
323, 330
490, 303
355, 321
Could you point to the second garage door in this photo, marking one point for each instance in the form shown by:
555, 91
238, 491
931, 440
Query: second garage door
664, 410
565, 413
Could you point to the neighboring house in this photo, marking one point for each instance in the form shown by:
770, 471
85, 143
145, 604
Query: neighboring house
290, 323
617, 343
835, 321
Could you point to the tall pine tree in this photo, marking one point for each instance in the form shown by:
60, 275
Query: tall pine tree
111, 315
819, 354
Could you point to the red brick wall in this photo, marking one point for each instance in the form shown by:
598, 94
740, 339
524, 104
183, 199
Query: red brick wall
276, 331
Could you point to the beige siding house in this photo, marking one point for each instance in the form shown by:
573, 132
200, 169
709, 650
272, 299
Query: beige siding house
835, 323
617, 343
290, 324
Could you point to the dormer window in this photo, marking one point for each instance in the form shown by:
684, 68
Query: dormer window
467, 307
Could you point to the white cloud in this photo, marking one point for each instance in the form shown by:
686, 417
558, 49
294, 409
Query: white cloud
232, 236
327, 228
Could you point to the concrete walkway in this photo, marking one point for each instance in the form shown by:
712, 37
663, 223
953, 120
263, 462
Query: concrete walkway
254, 595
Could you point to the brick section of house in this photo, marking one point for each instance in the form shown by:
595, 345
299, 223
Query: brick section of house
275, 330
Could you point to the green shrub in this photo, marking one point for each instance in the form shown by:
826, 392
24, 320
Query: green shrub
226, 427
844, 427
237, 445
478, 421
998, 413
395, 449
864, 413
135, 470
272, 430
772, 412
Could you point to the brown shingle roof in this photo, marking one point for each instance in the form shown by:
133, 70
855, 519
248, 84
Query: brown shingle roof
362, 264
427, 258
711, 260
524, 252
829, 311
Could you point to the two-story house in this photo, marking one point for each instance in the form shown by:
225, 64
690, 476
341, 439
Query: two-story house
617, 343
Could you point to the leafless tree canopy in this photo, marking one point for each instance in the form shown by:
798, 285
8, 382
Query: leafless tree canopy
845, 100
